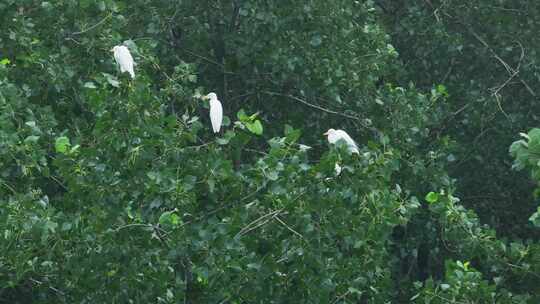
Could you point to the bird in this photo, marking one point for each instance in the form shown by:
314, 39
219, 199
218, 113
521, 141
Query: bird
123, 58
336, 135
216, 111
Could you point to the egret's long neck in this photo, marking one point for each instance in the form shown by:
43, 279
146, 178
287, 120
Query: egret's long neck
214, 101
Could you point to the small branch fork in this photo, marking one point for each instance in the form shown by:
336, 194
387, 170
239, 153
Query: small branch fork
50, 287
513, 72
311, 105
261, 221
314, 106
93, 26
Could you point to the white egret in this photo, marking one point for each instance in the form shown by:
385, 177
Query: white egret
336, 135
123, 59
216, 111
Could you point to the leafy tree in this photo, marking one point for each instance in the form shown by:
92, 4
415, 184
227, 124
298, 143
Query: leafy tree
115, 189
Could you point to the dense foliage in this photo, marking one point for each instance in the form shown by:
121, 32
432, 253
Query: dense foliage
115, 190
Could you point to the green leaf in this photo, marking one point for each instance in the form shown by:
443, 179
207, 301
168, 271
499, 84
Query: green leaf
226, 121
255, 127
273, 175
534, 140
241, 115
5, 61
535, 218
211, 185
432, 197
222, 141
441, 89
353, 290
89, 85
112, 80
74, 149
293, 136
51, 226
169, 218
252, 117
31, 139
61, 145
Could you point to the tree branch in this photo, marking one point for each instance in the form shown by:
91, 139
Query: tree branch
93, 26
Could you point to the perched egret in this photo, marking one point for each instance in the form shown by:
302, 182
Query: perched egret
336, 135
216, 111
123, 59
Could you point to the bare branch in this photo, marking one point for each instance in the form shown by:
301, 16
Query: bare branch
288, 227
50, 287
513, 72
258, 222
93, 26
311, 105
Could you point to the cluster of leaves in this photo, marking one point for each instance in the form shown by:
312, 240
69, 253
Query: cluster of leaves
115, 190
464, 284
485, 53
526, 153
476, 50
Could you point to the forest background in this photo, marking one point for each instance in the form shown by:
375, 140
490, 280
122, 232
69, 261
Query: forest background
115, 190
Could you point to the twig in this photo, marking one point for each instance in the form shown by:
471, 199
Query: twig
242, 95
199, 146
461, 109
513, 73
266, 218
522, 268
258, 222
505, 9
204, 58
204, 215
153, 227
453, 301
311, 105
485, 44
59, 182
498, 100
76, 42
221, 208
255, 151
452, 61
93, 26
288, 227
235, 18
133, 225
50, 287
342, 297
8, 186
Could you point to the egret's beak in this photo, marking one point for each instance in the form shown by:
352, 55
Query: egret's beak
325, 133
205, 97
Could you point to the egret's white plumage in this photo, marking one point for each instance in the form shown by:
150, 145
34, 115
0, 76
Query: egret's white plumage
123, 58
336, 135
216, 112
